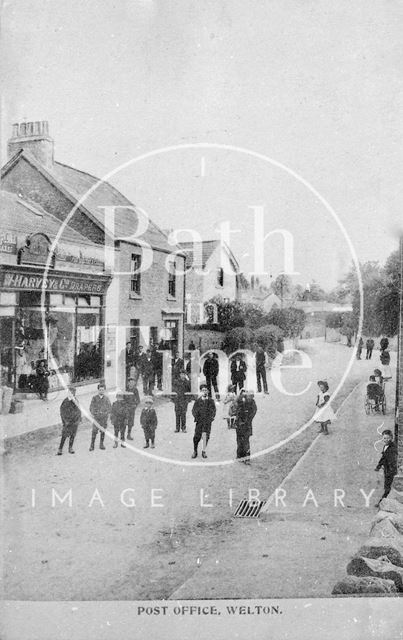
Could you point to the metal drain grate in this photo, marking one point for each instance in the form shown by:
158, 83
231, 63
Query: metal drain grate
249, 508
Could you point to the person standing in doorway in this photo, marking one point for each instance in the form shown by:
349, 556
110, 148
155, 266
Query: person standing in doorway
203, 411
70, 415
100, 409
388, 461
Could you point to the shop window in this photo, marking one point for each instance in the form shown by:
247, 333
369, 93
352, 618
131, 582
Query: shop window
88, 361
135, 278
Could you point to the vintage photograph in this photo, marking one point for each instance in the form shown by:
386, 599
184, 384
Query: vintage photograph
201, 249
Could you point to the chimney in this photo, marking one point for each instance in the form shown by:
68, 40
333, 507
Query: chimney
33, 137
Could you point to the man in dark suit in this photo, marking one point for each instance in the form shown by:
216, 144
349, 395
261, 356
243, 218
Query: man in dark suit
70, 415
245, 412
203, 411
388, 461
238, 372
210, 370
177, 366
147, 373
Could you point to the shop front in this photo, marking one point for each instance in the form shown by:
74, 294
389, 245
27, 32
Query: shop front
51, 320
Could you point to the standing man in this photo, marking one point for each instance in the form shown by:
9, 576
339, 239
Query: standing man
132, 399
70, 415
100, 409
245, 412
238, 372
261, 370
156, 357
147, 372
129, 360
177, 366
203, 411
388, 461
370, 345
181, 387
210, 371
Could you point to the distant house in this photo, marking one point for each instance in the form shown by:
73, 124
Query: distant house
316, 312
211, 270
145, 301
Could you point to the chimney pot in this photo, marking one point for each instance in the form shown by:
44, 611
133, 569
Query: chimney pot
34, 138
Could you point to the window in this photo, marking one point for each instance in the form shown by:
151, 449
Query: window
135, 280
220, 277
172, 279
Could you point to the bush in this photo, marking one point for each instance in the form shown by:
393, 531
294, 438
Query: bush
269, 337
238, 338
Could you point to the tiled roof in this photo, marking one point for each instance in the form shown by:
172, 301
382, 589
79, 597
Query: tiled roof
198, 253
24, 217
78, 183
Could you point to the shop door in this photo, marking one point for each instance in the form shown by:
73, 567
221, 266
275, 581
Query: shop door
6, 351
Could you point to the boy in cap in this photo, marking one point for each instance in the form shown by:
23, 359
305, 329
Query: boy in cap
119, 418
149, 421
100, 409
70, 414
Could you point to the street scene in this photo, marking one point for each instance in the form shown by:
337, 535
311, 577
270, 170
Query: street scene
201, 315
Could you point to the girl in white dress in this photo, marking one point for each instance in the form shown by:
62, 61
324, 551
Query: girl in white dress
324, 413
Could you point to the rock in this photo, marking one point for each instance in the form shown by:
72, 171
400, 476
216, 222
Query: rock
395, 519
387, 504
396, 495
390, 547
378, 568
363, 584
384, 529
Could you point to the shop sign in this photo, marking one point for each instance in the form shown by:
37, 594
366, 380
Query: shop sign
8, 242
36, 250
78, 255
15, 281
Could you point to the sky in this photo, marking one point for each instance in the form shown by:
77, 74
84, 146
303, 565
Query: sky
312, 88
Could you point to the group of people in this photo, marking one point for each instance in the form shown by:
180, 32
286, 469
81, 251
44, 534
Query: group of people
239, 411
121, 413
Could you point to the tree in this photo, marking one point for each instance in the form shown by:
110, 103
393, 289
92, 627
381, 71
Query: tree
290, 320
387, 303
238, 338
282, 286
269, 337
334, 320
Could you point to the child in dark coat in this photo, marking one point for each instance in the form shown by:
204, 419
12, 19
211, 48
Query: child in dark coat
119, 419
149, 421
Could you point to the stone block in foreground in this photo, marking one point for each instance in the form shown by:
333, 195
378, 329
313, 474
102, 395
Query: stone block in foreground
355, 585
391, 548
378, 568
394, 518
388, 504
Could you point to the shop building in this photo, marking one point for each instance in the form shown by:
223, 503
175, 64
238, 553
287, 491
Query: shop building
145, 301
52, 299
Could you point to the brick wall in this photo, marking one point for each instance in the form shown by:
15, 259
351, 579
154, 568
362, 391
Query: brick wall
23, 179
